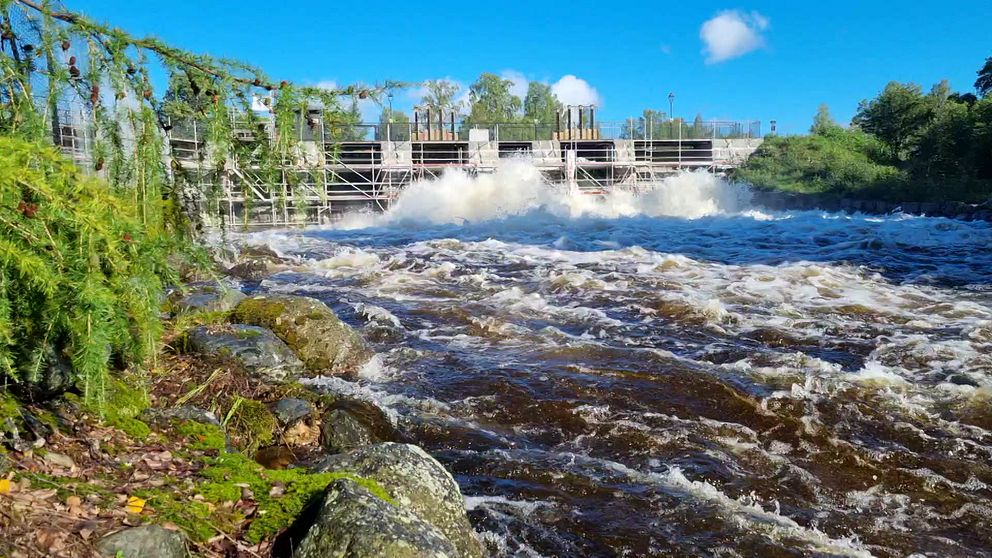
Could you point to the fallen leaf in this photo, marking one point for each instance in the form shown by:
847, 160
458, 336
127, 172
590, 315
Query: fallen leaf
4, 486
135, 505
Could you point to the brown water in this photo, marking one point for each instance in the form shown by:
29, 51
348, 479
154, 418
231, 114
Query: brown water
675, 374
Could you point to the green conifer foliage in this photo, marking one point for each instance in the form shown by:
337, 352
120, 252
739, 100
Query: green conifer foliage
80, 275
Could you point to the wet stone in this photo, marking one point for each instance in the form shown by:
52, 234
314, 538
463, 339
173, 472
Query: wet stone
145, 541
207, 297
257, 349
290, 410
352, 423
319, 337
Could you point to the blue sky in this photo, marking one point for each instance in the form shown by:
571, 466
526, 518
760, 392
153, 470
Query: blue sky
766, 60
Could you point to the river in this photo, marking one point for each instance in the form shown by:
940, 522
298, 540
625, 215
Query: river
674, 373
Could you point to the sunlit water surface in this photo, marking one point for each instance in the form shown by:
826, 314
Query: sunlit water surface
675, 373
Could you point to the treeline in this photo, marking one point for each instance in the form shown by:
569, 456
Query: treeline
490, 100
902, 145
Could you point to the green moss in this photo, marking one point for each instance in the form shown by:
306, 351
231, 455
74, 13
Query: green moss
227, 474
200, 436
124, 400
250, 424
258, 311
188, 320
10, 408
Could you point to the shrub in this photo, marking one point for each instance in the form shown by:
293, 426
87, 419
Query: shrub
80, 272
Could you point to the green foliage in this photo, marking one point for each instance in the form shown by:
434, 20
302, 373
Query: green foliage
823, 123
896, 116
541, 106
905, 146
80, 274
841, 162
984, 82
440, 95
492, 100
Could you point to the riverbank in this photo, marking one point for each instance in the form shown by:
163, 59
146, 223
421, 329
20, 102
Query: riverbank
222, 448
790, 200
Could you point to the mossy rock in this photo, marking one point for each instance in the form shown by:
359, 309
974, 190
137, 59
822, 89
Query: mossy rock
256, 349
354, 523
310, 328
418, 483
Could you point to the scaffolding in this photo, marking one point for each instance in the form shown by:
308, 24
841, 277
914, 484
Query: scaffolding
347, 167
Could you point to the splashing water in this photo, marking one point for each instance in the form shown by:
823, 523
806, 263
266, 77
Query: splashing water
517, 188
673, 372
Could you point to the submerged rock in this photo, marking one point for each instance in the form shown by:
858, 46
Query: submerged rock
354, 523
207, 296
143, 542
257, 349
418, 483
309, 327
352, 423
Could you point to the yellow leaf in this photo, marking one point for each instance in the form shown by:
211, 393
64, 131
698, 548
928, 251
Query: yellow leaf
135, 505
4, 486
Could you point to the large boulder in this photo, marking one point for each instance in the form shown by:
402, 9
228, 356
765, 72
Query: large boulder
351, 423
256, 349
309, 327
354, 523
418, 483
143, 542
207, 296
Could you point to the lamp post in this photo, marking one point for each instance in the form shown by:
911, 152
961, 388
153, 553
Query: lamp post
671, 107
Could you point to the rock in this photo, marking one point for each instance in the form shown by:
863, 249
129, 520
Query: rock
58, 460
53, 378
250, 270
418, 483
143, 542
354, 523
309, 327
182, 413
207, 296
290, 410
257, 349
352, 423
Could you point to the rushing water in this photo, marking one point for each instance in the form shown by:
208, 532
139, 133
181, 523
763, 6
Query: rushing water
675, 373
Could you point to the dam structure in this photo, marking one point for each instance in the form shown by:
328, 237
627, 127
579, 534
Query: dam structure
364, 166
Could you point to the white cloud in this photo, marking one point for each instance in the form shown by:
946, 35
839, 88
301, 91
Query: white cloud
572, 90
732, 33
519, 87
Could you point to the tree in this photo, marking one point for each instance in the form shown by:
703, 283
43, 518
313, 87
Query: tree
440, 95
896, 116
492, 101
395, 125
984, 82
540, 104
698, 127
823, 123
